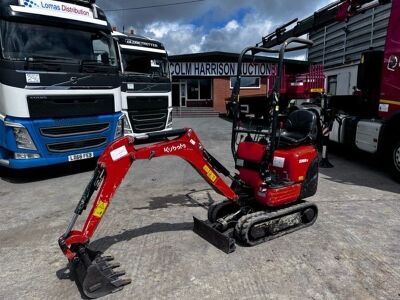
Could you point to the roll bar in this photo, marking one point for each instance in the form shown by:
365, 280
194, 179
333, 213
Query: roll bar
305, 43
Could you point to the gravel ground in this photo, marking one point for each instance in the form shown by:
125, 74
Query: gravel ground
351, 252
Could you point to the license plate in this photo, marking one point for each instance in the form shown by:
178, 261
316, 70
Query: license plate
80, 156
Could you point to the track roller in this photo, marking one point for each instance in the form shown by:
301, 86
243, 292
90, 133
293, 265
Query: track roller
261, 226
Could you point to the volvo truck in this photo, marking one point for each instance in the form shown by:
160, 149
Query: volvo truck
145, 84
59, 86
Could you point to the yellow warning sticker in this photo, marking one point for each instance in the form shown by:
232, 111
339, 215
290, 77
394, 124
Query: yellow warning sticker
317, 90
100, 209
210, 173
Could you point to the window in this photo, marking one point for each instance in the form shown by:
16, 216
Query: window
143, 62
193, 89
205, 89
199, 89
21, 41
332, 84
247, 82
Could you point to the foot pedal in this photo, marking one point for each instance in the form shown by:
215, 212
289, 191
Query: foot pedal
220, 240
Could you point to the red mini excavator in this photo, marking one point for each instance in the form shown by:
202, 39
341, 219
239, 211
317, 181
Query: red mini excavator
277, 169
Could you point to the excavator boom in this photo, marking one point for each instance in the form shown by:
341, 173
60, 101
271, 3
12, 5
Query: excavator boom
93, 272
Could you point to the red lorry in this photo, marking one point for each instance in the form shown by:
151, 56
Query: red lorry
368, 116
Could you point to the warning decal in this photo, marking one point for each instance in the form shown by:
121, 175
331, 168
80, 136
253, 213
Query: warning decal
210, 173
100, 209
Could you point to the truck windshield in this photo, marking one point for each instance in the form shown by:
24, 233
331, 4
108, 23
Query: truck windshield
22, 41
148, 63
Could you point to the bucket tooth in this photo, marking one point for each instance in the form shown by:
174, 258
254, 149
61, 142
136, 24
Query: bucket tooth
96, 274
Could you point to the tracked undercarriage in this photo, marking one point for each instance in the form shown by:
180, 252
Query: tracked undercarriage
251, 225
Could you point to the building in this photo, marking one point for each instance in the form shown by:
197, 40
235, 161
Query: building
338, 47
206, 79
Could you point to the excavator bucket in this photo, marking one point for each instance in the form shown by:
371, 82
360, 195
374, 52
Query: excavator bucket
221, 240
95, 274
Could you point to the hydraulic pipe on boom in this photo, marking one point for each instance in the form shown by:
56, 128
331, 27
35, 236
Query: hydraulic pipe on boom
340, 11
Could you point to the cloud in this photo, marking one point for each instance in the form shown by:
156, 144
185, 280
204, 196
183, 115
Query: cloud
187, 38
211, 25
177, 38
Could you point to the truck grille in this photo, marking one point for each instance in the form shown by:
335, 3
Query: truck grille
148, 114
147, 121
63, 131
76, 145
70, 105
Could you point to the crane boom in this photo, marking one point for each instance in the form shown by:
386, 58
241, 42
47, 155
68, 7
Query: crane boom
340, 10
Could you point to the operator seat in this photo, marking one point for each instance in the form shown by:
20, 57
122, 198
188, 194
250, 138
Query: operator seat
300, 128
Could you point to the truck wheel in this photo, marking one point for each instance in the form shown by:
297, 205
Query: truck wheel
395, 160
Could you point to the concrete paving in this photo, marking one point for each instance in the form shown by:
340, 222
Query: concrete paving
351, 252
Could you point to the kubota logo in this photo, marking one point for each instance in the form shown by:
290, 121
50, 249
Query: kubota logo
174, 148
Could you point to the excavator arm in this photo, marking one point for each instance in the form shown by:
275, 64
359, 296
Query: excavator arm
93, 272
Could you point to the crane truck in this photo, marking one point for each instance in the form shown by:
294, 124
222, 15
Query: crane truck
366, 116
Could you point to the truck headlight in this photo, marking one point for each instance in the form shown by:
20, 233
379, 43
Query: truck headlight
22, 138
127, 125
119, 131
169, 120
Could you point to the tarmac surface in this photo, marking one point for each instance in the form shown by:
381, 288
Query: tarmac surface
351, 252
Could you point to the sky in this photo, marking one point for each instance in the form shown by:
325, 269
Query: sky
209, 25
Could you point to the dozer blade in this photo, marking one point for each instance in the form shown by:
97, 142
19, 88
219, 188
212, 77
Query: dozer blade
95, 273
221, 240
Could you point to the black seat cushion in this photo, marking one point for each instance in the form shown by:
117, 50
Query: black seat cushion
300, 128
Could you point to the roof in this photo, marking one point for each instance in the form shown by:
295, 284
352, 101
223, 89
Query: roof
220, 56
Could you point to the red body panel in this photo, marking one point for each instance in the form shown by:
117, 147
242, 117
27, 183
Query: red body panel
296, 162
289, 164
390, 84
251, 151
279, 196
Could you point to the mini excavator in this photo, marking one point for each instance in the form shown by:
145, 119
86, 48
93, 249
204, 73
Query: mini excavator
277, 168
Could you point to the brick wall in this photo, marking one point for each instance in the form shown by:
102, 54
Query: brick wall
222, 91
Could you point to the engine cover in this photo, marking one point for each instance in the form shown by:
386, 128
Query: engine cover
289, 167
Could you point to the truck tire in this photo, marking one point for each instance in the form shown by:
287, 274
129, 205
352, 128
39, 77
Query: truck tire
395, 159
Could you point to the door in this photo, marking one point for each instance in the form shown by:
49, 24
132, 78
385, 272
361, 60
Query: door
183, 89
176, 96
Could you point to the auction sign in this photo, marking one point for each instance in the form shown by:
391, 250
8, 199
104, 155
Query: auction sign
218, 69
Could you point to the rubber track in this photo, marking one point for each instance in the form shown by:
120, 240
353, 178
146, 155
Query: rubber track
216, 207
244, 224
